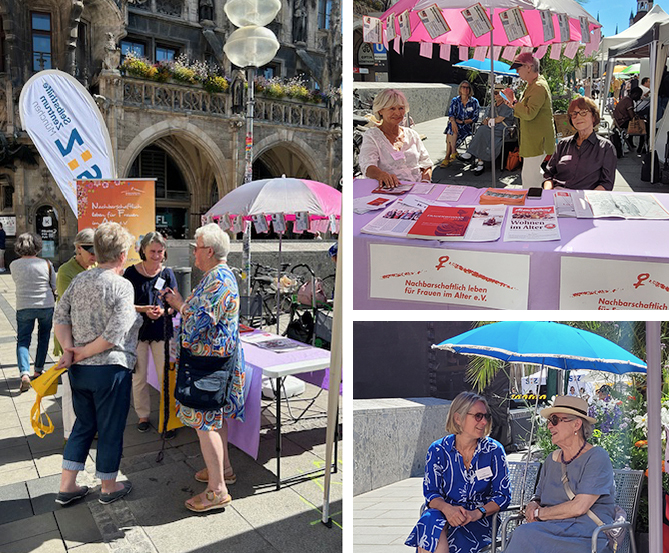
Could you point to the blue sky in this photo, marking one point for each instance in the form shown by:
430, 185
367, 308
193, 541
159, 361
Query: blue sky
616, 12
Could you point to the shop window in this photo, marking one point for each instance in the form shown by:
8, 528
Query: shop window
40, 24
155, 162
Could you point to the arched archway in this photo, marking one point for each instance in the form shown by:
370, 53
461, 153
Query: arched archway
284, 153
198, 159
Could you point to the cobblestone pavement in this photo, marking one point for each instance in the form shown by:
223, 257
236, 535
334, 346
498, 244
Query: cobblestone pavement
152, 518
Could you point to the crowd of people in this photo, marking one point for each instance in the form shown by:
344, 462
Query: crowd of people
467, 482
106, 319
392, 151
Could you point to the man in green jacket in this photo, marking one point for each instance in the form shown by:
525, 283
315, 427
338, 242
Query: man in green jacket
535, 113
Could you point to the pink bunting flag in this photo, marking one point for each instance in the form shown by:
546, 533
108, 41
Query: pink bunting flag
526, 49
464, 53
445, 52
570, 50
385, 39
556, 48
396, 44
496, 51
541, 51
480, 53
426, 49
510, 53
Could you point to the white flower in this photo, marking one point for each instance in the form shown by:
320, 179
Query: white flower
641, 422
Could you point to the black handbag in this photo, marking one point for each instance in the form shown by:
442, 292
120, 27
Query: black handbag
203, 382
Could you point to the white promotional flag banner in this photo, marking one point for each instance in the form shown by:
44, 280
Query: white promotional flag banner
66, 126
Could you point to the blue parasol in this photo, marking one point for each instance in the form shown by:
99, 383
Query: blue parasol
499, 67
545, 343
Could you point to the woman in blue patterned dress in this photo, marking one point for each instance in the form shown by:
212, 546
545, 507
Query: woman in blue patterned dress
466, 481
557, 523
462, 113
210, 327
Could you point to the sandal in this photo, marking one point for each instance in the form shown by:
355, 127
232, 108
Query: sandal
203, 476
216, 501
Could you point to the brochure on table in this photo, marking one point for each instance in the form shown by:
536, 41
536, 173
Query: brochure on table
485, 224
531, 224
272, 342
371, 203
593, 204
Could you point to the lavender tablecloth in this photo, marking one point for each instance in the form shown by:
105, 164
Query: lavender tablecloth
246, 435
619, 239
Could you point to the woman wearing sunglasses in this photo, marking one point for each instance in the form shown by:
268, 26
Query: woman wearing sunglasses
556, 521
466, 481
584, 161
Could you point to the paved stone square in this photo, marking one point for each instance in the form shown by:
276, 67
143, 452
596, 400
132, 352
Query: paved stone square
152, 518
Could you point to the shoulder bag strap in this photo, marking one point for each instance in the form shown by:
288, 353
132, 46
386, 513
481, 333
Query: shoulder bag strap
570, 493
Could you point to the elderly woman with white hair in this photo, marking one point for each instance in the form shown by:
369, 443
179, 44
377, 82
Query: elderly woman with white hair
97, 326
210, 374
389, 151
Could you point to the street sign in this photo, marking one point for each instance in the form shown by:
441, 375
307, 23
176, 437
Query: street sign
380, 52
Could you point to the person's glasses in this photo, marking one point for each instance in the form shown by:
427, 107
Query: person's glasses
89, 249
466, 87
554, 420
480, 416
582, 113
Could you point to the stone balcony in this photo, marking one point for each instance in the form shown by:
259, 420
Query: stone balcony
184, 98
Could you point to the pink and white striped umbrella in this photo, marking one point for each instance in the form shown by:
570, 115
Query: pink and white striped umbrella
280, 195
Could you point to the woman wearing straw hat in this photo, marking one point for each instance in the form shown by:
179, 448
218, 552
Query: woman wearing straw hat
557, 522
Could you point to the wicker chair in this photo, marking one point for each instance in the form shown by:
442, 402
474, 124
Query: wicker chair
628, 492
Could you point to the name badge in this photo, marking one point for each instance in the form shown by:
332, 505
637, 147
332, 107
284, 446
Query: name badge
397, 155
565, 159
484, 473
160, 282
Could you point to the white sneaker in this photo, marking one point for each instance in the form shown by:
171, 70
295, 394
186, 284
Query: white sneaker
466, 156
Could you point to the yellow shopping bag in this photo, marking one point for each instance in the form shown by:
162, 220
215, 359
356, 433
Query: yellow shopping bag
173, 421
44, 385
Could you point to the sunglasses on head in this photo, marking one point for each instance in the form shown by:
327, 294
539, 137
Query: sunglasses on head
480, 416
89, 249
554, 420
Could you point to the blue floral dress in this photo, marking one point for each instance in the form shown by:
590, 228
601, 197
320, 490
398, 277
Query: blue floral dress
461, 111
446, 476
211, 327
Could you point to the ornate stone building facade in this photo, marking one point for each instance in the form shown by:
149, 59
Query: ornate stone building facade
190, 140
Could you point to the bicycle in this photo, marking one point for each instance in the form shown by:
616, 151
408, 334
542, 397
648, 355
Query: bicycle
260, 308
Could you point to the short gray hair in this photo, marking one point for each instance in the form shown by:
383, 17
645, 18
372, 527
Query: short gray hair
111, 240
388, 98
587, 428
28, 243
85, 237
148, 239
216, 238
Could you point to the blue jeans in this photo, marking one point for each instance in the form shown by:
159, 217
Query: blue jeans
25, 322
101, 400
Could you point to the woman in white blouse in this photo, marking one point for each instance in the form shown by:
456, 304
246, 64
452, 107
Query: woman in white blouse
390, 152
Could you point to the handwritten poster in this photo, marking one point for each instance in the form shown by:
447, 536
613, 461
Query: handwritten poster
391, 32
563, 23
405, 25
604, 284
472, 278
371, 29
129, 202
547, 24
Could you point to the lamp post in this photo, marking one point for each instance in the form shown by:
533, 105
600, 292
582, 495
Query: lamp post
251, 46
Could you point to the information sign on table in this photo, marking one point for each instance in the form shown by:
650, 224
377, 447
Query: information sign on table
612, 284
478, 279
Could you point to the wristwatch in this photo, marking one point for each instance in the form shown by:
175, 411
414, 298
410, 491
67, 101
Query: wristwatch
482, 509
